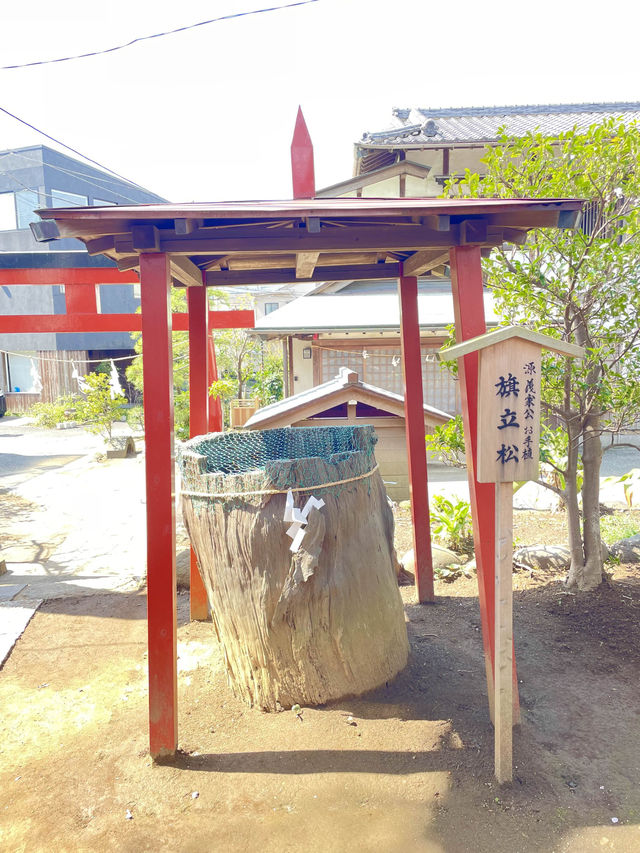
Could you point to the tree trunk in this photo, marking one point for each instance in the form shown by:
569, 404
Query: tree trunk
589, 575
573, 509
591, 461
305, 627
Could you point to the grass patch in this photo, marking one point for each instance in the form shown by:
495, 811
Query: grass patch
620, 525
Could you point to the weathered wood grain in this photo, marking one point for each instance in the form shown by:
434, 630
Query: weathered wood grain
309, 627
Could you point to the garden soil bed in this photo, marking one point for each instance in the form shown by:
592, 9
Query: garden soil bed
406, 768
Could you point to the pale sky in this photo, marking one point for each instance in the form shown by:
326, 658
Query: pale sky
208, 114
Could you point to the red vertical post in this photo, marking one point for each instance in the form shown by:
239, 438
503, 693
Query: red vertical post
302, 170
157, 365
215, 403
414, 425
198, 417
468, 305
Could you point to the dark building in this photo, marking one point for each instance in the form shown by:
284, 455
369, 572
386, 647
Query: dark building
33, 178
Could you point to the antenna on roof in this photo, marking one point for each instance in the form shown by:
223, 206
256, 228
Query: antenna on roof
302, 171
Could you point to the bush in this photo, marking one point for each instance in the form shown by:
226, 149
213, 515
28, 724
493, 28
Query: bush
447, 441
135, 418
97, 410
48, 415
451, 523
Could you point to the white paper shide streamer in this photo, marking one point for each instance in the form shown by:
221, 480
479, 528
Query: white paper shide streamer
36, 382
114, 382
82, 383
298, 518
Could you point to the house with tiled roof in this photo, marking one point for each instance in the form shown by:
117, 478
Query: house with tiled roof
356, 324
422, 147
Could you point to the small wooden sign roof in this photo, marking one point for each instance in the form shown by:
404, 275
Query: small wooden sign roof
506, 333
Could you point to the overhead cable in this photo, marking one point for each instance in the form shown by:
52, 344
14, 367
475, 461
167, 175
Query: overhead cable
69, 148
90, 179
157, 35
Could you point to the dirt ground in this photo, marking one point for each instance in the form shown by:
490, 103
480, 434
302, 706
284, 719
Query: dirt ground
414, 773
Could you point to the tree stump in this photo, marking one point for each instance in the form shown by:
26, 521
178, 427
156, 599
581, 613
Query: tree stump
296, 627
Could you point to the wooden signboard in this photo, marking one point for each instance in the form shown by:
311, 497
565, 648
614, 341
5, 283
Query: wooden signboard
508, 451
509, 412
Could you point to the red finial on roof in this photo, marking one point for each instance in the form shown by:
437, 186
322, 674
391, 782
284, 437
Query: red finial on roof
302, 173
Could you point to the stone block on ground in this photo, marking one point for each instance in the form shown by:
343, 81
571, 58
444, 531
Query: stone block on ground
627, 550
546, 558
3, 567
120, 447
183, 569
441, 557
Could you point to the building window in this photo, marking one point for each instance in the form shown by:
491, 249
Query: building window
269, 307
382, 367
100, 202
7, 212
19, 377
60, 198
27, 201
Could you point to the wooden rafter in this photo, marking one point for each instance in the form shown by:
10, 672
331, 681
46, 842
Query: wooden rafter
354, 272
305, 264
186, 272
422, 262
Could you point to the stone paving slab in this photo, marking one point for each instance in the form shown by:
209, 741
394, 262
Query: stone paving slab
10, 590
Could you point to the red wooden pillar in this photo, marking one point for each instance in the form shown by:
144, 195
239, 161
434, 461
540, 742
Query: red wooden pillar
215, 403
161, 534
198, 417
414, 424
468, 304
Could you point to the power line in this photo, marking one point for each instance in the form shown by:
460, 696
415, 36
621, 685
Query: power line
26, 186
158, 35
69, 148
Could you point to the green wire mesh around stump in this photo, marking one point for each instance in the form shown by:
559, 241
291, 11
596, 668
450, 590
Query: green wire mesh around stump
233, 467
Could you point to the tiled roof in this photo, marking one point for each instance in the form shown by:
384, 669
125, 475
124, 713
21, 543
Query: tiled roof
321, 396
419, 127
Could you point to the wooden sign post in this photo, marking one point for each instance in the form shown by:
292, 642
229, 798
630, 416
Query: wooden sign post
508, 451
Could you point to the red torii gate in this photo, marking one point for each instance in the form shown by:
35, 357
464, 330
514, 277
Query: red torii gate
205, 414
309, 239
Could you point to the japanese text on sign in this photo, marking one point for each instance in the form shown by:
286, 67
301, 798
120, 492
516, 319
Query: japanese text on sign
508, 387
510, 411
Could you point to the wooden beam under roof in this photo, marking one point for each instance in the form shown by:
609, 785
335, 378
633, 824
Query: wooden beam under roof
182, 269
128, 262
256, 262
186, 272
144, 238
525, 218
348, 239
100, 245
422, 262
353, 272
186, 226
305, 264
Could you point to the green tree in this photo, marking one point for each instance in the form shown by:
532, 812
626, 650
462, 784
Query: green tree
245, 365
180, 342
247, 369
97, 409
579, 285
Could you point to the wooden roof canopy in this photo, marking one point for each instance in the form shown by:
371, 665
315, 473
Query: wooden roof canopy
305, 239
